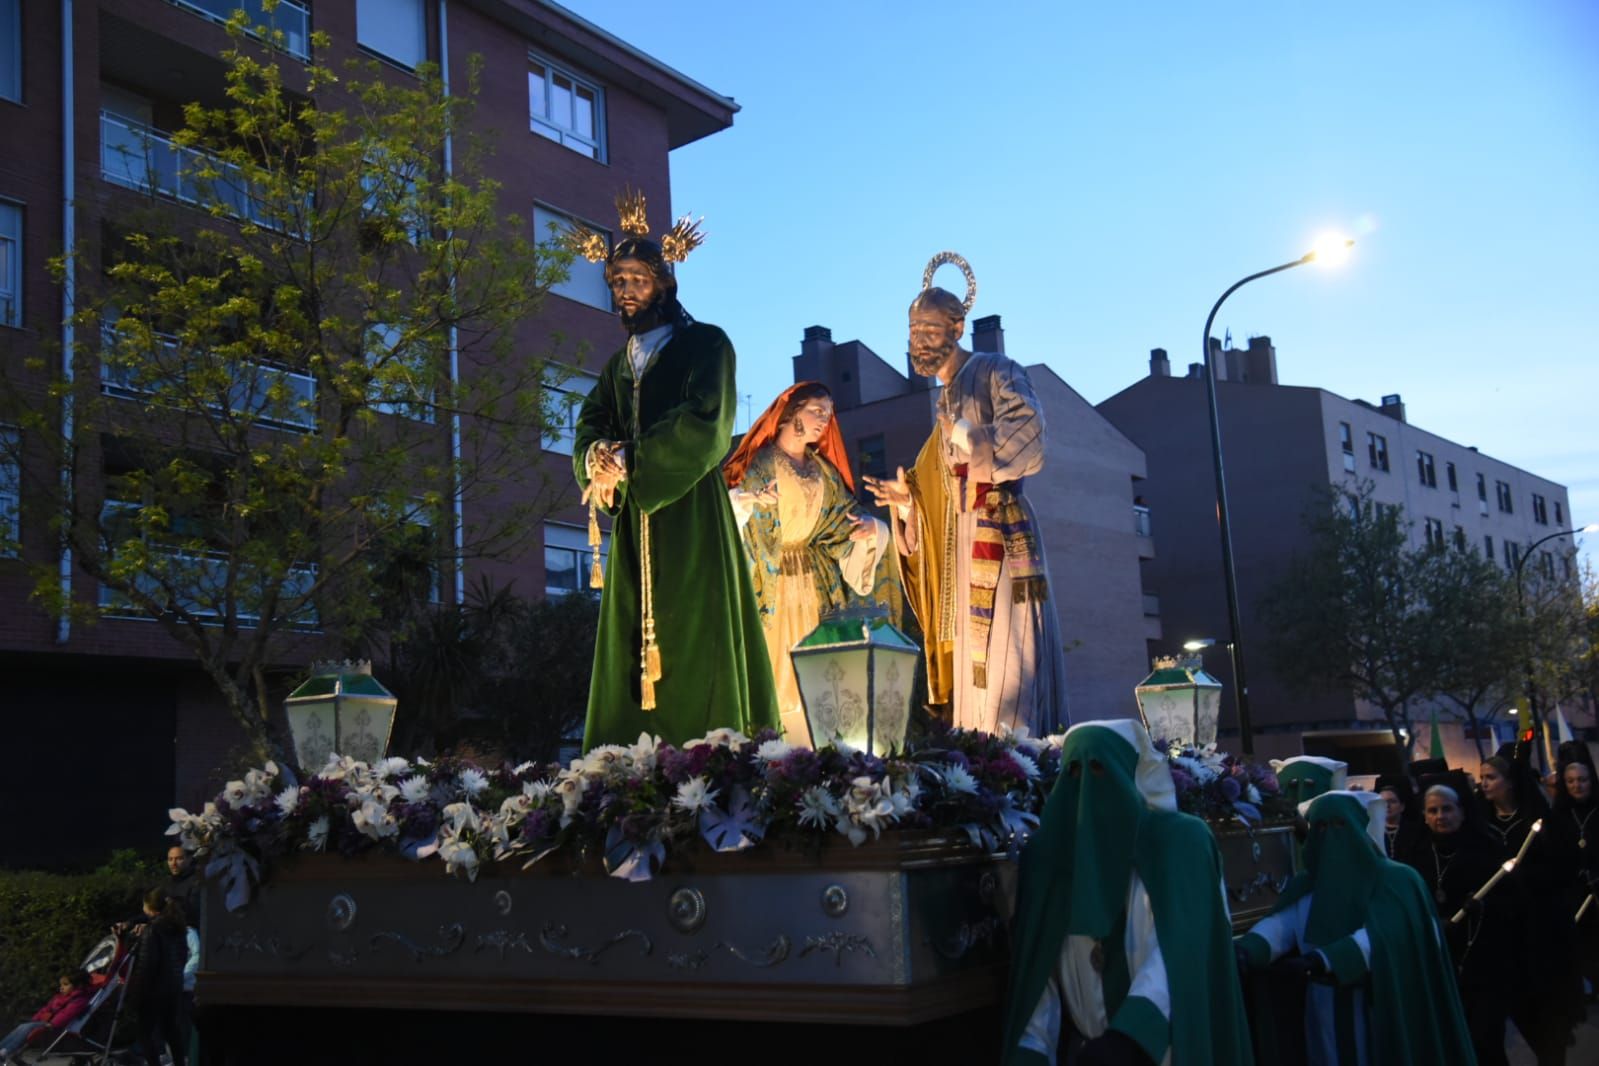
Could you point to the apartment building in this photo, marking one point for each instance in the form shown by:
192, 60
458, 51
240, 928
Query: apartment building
1282, 446
575, 112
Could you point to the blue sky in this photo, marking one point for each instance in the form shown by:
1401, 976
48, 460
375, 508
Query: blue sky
1110, 169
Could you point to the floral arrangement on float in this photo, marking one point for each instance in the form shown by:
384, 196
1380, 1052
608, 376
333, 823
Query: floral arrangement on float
1223, 788
633, 805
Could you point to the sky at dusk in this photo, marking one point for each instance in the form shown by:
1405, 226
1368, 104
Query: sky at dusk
1110, 169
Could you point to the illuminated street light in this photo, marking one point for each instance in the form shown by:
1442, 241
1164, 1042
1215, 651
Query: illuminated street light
1330, 252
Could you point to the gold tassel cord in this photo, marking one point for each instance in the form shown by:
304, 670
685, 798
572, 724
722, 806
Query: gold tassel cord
650, 658
596, 571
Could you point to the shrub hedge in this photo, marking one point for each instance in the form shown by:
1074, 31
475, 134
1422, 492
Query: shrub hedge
50, 921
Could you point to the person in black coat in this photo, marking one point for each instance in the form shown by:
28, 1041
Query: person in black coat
1455, 859
155, 987
1574, 834
1404, 830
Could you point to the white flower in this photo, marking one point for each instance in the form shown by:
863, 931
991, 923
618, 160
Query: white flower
642, 755
288, 799
1029, 767
959, 779
1056, 740
724, 737
234, 794
866, 806
817, 808
604, 759
373, 819
523, 767
316, 834
514, 807
773, 751
415, 789
473, 781
570, 786
459, 857
535, 791
694, 794
386, 768
1252, 794
460, 817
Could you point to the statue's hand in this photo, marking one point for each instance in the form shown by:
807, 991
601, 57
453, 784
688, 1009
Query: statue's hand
890, 492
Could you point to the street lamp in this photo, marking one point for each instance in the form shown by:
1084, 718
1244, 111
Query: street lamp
1530, 687
1328, 250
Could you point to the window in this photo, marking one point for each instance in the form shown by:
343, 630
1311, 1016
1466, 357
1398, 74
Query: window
1488, 547
10, 264
565, 109
1377, 450
568, 558
411, 558
1482, 495
1426, 469
1460, 538
390, 189
1560, 514
402, 375
1546, 564
393, 29
292, 18
585, 282
1435, 533
11, 50
1449, 473
1540, 510
1512, 553
10, 490
568, 389
871, 456
1506, 504
1346, 442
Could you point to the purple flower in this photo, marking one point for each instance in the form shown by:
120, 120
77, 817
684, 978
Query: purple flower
1182, 780
1230, 789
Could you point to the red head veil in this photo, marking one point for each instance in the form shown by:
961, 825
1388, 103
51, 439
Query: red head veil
764, 431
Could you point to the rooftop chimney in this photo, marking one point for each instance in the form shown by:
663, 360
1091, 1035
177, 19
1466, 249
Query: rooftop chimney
988, 335
815, 362
1159, 365
1393, 407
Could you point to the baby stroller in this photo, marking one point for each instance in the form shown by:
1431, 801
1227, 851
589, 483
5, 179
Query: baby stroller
94, 1038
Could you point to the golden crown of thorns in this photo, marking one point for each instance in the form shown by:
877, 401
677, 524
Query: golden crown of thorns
676, 243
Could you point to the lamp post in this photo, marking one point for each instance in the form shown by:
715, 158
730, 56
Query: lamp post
1327, 251
1530, 687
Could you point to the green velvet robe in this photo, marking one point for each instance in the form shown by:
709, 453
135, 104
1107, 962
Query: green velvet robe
714, 671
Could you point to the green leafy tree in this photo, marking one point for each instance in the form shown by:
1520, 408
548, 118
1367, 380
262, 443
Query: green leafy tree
1353, 612
1479, 635
275, 356
1558, 638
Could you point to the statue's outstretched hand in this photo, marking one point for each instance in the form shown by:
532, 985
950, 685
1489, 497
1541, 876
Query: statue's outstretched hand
890, 492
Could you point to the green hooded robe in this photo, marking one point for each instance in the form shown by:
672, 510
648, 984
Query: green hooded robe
714, 671
1097, 830
1414, 1009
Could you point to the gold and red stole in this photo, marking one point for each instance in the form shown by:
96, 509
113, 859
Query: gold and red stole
928, 574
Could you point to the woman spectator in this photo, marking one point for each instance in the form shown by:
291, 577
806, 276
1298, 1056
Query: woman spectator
1575, 835
155, 988
64, 1008
1403, 830
1455, 860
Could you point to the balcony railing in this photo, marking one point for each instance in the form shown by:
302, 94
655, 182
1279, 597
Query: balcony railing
205, 574
139, 157
292, 18
1141, 524
250, 394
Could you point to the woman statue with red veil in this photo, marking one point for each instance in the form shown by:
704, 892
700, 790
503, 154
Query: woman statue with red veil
810, 548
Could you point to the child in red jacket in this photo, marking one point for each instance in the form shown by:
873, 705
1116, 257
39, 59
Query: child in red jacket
64, 1008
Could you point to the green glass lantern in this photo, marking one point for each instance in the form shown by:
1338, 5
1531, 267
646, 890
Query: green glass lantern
1179, 702
856, 676
342, 709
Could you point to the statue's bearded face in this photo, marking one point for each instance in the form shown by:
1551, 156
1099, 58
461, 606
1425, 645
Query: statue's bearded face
632, 286
934, 340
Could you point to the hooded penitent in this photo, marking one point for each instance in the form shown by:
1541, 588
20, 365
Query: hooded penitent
1113, 813
1415, 1015
1304, 777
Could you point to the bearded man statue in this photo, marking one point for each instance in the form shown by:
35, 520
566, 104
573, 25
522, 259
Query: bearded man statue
970, 551
679, 650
